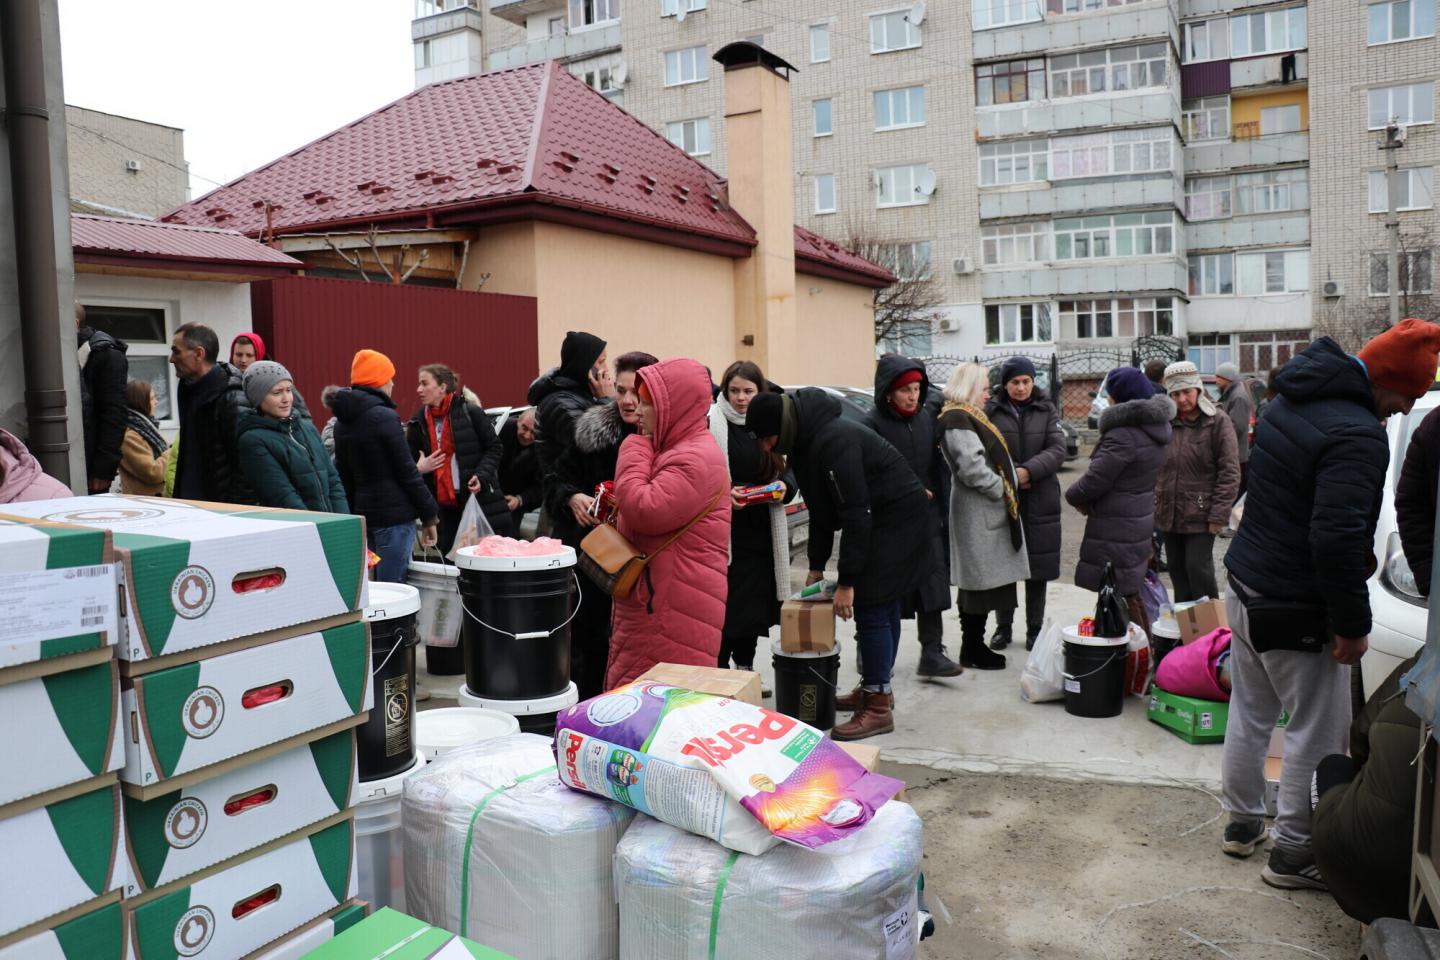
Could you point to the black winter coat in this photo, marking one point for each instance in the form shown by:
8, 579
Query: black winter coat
1037, 443
1415, 498
917, 439
102, 402
1317, 472
751, 607
856, 483
590, 459
519, 469
287, 465
478, 451
374, 461
209, 465
559, 400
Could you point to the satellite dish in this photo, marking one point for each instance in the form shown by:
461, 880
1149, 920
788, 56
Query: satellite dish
917, 13
620, 73
680, 11
926, 186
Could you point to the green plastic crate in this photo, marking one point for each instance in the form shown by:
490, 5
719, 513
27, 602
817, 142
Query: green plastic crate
1190, 718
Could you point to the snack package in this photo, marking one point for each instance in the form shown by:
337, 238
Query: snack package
744, 776
772, 492
605, 508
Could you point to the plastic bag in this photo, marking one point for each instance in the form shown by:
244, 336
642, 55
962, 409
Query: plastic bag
473, 527
1111, 615
1045, 667
1153, 595
1137, 663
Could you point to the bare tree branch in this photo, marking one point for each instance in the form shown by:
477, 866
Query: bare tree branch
910, 306
1357, 317
353, 261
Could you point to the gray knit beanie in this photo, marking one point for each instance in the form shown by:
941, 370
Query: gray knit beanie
261, 378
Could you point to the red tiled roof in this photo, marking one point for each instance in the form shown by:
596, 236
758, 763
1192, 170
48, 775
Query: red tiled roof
816, 255
109, 238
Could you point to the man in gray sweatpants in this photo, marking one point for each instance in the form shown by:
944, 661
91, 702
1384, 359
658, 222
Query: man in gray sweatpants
1298, 602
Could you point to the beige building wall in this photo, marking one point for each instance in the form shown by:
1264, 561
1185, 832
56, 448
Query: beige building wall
832, 329
120, 166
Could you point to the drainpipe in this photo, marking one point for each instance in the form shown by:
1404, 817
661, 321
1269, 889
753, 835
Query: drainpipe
27, 122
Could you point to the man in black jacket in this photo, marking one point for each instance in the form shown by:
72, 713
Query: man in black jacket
559, 397
104, 371
211, 400
1298, 603
519, 466
1415, 499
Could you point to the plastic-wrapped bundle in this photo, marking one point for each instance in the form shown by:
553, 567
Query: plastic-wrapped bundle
498, 850
683, 897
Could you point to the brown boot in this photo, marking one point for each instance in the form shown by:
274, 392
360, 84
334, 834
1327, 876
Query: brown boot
875, 716
849, 702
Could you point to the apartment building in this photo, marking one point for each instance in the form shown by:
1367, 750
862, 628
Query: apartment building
121, 167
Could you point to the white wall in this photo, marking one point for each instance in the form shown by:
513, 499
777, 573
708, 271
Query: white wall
1247, 314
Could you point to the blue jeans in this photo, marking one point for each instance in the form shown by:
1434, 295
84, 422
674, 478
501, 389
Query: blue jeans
877, 633
394, 546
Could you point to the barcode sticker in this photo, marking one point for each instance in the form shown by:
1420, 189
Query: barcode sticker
51, 604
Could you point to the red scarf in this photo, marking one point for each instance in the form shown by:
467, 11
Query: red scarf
444, 443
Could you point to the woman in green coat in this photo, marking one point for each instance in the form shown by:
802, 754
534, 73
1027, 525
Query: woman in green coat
281, 453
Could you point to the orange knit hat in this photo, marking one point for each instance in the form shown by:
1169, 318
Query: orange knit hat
1404, 357
371, 368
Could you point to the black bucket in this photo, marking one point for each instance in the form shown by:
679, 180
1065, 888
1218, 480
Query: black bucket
444, 661
534, 716
805, 685
387, 740
1095, 676
1164, 637
516, 629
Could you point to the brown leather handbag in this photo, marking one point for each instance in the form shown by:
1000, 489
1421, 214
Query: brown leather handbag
614, 565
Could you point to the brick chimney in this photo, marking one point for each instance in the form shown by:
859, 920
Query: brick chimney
757, 129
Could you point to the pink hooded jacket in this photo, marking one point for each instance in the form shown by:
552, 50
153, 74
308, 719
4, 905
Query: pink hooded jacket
661, 483
21, 477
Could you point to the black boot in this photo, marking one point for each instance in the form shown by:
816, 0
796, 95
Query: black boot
1031, 635
1001, 638
973, 652
933, 661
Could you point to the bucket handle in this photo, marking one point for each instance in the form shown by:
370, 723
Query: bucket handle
538, 635
1102, 666
393, 648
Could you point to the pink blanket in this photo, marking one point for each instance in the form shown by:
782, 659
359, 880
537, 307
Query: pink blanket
1190, 670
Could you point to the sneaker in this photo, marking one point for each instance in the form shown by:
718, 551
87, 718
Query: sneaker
1292, 871
1241, 839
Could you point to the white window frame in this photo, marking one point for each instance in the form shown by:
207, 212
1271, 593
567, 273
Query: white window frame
669, 8
1242, 30
1387, 97
908, 261
1211, 274
604, 12
136, 348
1380, 271
1122, 152
989, 14
1209, 198
829, 111
699, 64
1015, 244
1001, 162
1155, 229
1274, 120
1272, 191
825, 182
901, 180
1208, 350
1415, 184
909, 100
1116, 309
819, 49
887, 20
1418, 17
1015, 317
1294, 265
1206, 118
1205, 40
1138, 66
692, 133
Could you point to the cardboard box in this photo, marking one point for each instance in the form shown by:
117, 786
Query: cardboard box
186, 718
807, 626
94, 931
321, 930
61, 729
1200, 618
1275, 764
240, 906
184, 831
59, 594
186, 566
61, 849
742, 685
1192, 719
393, 935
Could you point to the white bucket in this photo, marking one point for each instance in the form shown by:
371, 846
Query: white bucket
440, 731
440, 611
532, 716
379, 853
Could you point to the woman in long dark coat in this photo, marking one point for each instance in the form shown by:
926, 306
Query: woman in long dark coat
759, 573
1030, 424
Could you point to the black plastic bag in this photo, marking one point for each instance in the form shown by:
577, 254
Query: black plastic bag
1112, 616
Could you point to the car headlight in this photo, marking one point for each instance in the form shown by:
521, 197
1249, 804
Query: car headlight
1396, 574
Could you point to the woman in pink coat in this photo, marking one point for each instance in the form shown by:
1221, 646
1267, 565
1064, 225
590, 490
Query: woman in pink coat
21, 477
667, 475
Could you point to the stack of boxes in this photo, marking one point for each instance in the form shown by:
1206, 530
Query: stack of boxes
243, 669
1190, 718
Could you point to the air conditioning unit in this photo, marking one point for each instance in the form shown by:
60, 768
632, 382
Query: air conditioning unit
1332, 289
133, 166
963, 266
948, 325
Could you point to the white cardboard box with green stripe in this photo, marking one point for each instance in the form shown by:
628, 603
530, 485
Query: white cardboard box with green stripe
61, 849
237, 907
316, 933
59, 605
197, 574
61, 728
94, 933
187, 718
187, 829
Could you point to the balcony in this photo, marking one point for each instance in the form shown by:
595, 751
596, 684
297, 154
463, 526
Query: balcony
1092, 278
1190, 9
1079, 196
1289, 228
571, 46
1157, 105
1257, 151
516, 11
1079, 31
447, 21
1289, 311
1276, 70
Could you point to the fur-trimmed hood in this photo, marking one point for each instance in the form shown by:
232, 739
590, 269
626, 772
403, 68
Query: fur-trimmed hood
1156, 412
600, 428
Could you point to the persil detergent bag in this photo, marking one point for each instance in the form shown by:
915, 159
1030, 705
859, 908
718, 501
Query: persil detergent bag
739, 774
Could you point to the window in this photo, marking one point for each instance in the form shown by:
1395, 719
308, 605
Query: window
1207, 198
1011, 243
909, 261
1124, 151
911, 338
824, 122
899, 108
1207, 118
1401, 20
1284, 119
1206, 40
599, 76
999, 13
692, 136
1014, 81
668, 8
1269, 31
1212, 275
1119, 68
686, 66
146, 331
902, 186
1412, 103
1272, 191
1272, 271
819, 42
1124, 317
1415, 274
1007, 323
825, 193
1018, 161
893, 31
1261, 351
1083, 156
584, 13
1121, 235
427, 8
1208, 350
1142, 151
1413, 190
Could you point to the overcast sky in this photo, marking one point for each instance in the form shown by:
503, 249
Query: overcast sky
247, 80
